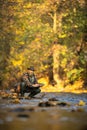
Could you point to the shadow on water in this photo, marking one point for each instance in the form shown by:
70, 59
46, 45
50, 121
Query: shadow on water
29, 116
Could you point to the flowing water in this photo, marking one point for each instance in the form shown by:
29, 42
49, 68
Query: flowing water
27, 115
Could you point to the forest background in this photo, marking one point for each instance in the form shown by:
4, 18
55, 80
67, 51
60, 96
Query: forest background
50, 35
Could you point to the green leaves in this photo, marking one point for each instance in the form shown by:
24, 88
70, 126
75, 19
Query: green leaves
29, 28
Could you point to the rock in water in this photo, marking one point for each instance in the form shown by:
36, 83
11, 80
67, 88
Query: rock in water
5, 96
23, 116
12, 90
47, 104
63, 104
15, 101
53, 99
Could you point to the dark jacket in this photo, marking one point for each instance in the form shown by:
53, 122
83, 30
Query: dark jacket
29, 80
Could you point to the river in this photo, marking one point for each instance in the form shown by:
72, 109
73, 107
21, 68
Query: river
29, 114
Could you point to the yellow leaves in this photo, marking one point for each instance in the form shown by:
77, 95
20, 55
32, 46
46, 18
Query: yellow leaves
65, 27
28, 5
74, 10
44, 80
16, 58
20, 1
17, 63
21, 43
74, 71
18, 32
72, 63
46, 66
81, 103
75, 88
62, 35
37, 39
65, 69
65, 14
75, 26
64, 62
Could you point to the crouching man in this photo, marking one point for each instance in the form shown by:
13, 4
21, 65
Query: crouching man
29, 83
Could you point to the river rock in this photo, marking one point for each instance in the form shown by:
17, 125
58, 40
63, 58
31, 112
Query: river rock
63, 104
5, 96
53, 99
15, 101
23, 116
47, 104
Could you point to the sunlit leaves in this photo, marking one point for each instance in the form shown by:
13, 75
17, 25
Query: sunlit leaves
27, 33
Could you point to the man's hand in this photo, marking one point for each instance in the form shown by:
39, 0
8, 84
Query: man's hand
38, 85
35, 85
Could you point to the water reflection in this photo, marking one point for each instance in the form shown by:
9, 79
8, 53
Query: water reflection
28, 116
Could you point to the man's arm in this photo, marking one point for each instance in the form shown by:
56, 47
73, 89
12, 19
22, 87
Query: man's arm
36, 84
35, 80
25, 79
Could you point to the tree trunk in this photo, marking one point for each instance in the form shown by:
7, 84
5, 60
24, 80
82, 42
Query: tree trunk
56, 49
56, 63
55, 22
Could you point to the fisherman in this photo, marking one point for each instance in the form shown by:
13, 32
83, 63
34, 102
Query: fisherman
29, 83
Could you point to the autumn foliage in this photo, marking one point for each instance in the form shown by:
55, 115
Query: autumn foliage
48, 34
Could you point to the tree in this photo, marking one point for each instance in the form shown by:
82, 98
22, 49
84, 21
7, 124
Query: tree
43, 33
